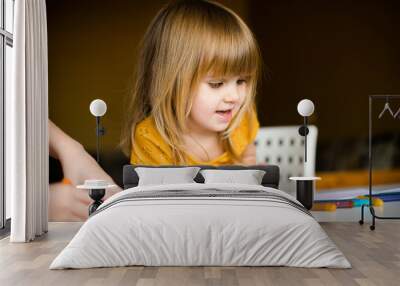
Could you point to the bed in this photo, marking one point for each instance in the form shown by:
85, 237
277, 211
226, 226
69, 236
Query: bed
201, 224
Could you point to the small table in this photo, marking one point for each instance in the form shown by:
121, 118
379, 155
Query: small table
305, 190
96, 193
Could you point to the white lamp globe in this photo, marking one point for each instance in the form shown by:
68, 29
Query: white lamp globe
305, 107
98, 107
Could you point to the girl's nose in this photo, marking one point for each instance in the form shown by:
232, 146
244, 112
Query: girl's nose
232, 94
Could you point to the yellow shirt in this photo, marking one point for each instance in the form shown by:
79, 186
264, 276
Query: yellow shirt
151, 149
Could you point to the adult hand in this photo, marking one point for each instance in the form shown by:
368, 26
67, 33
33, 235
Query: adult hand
78, 166
67, 203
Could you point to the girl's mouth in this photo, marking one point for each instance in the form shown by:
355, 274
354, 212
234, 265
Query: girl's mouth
225, 115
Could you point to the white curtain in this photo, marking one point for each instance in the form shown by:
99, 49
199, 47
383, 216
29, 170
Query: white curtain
26, 123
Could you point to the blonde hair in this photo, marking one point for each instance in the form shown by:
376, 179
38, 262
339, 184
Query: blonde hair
186, 41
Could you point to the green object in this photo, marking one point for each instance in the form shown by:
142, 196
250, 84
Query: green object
360, 202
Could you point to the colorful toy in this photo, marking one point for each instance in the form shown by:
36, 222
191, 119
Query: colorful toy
377, 202
330, 207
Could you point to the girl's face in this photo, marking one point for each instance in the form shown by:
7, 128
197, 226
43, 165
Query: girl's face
216, 102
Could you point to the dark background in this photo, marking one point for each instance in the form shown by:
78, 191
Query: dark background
335, 53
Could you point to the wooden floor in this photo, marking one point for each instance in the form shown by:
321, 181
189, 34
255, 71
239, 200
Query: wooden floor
374, 255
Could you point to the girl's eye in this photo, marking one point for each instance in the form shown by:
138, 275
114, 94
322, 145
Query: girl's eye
241, 81
215, 84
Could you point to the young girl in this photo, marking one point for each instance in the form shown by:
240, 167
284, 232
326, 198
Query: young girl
194, 97
193, 101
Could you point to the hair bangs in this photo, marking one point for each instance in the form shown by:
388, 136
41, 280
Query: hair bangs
229, 51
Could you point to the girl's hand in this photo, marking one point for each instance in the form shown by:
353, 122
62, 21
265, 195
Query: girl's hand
249, 155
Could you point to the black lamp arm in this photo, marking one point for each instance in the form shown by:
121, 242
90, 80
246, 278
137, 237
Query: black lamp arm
100, 131
303, 131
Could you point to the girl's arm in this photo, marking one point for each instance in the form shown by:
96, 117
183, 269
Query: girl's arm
249, 155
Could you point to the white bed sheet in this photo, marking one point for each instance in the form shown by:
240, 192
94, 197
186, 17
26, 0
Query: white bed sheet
191, 231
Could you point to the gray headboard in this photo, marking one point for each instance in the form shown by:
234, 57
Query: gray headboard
270, 179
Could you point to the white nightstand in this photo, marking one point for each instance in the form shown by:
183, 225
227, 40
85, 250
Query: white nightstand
97, 190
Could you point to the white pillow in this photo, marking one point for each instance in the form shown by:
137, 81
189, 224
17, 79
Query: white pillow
249, 177
162, 176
